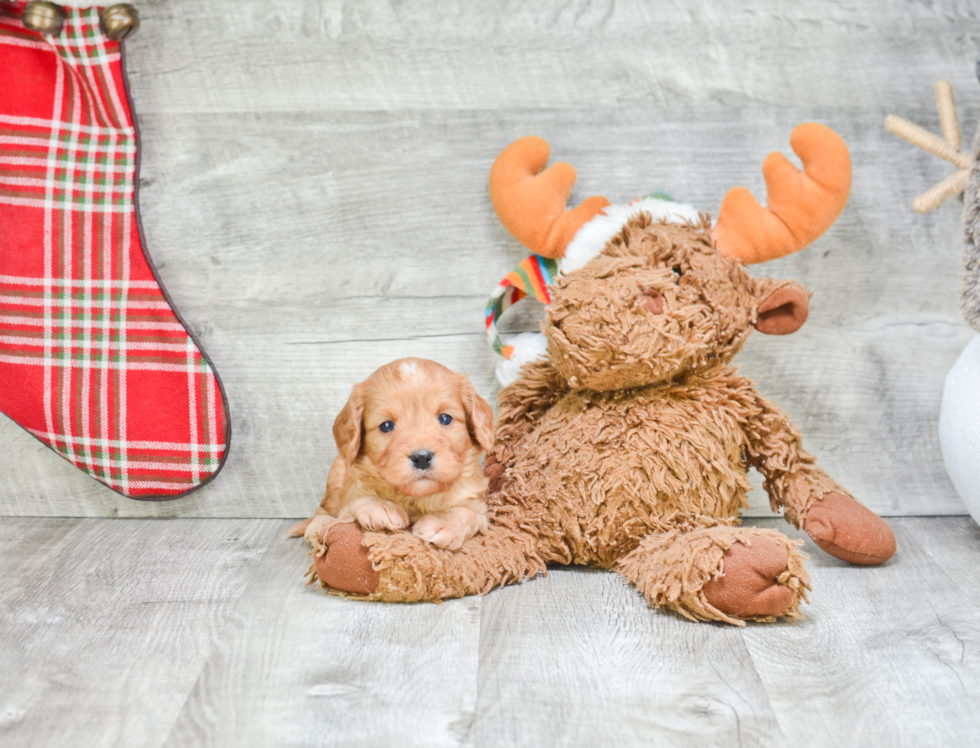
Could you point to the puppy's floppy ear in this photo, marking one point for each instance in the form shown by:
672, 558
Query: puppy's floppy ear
479, 414
349, 424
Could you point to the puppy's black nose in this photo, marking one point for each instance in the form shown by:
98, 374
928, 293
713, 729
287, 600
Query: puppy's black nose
422, 459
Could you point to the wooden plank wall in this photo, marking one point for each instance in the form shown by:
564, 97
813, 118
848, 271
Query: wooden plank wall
314, 196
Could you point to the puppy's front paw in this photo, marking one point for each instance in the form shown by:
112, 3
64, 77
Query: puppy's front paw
379, 514
442, 531
317, 527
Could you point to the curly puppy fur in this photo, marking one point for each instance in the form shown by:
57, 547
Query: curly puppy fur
409, 442
627, 449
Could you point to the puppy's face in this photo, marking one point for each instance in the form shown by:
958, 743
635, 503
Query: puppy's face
418, 423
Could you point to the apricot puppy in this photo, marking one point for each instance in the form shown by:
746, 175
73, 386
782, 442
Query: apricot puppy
409, 442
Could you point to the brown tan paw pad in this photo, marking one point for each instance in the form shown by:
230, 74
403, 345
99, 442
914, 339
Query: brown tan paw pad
345, 566
749, 586
849, 530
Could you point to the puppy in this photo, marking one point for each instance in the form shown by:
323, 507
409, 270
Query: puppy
409, 442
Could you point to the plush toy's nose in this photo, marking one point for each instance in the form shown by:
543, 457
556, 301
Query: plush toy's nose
422, 459
652, 301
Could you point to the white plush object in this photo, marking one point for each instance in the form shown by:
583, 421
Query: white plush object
593, 236
527, 347
959, 426
588, 243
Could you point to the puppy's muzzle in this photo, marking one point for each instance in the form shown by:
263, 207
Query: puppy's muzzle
421, 459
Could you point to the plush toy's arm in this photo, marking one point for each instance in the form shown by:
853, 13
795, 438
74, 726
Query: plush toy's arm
811, 499
775, 448
521, 405
399, 567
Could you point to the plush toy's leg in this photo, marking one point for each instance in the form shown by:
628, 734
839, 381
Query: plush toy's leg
730, 574
836, 521
399, 567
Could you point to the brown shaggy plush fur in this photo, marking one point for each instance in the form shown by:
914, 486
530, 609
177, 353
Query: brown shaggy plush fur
627, 448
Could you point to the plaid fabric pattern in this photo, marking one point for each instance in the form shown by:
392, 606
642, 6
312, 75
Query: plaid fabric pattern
93, 360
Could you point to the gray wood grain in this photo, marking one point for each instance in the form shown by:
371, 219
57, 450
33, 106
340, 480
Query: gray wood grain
300, 667
314, 195
578, 658
199, 632
951, 543
892, 652
328, 56
105, 625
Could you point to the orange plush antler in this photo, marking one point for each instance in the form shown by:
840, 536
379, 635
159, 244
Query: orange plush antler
531, 203
801, 206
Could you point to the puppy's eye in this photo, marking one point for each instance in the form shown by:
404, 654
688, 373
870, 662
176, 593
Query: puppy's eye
387, 426
445, 419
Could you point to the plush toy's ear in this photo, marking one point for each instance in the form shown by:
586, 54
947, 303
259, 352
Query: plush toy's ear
783, 311
479, 415
348, 426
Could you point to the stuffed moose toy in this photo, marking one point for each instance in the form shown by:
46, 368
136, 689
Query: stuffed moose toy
623, 442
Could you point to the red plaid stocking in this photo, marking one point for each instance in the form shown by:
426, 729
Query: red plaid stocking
93, 360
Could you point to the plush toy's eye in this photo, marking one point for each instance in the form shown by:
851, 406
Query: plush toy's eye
445, 419
387, 426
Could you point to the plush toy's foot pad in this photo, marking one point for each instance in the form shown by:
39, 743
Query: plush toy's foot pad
345, 565
749, 586
850, 531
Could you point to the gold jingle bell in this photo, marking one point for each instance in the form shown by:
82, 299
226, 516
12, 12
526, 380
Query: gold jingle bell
119, 21
44, 17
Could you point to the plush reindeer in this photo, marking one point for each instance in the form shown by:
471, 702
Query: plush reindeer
626, 445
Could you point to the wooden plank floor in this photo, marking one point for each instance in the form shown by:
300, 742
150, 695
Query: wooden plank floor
199, 632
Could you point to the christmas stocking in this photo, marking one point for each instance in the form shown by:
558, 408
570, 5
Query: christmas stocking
94, 361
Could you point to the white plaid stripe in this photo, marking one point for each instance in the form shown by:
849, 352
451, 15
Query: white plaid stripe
95, 60
192, 402
49, 248
63, 204
67, 380
103, 366
49, 299
40, 162
86, 283
79, 324
93, 149
87, 345
144, 465
57, 126
143, 445
114, 190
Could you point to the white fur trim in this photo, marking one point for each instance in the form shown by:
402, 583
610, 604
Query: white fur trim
590, 240
527, 347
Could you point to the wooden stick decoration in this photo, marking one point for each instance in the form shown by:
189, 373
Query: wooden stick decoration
947, 147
